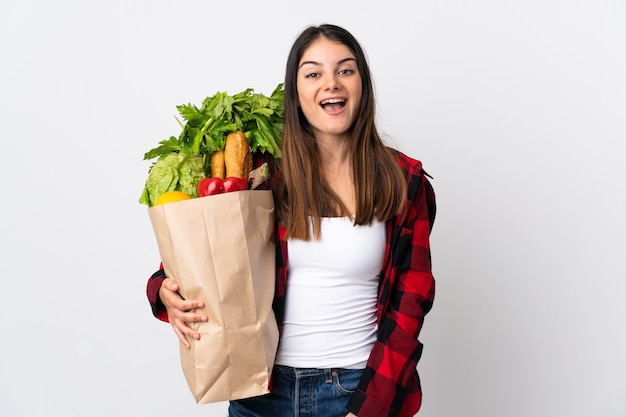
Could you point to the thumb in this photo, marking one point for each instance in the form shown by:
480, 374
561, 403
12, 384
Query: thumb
171, 285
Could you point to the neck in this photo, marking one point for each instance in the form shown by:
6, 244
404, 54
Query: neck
333, 152
336, 169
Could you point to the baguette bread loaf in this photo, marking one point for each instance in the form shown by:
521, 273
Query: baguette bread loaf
237, 155
218, 167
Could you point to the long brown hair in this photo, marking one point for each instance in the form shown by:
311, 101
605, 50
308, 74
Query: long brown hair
301, 190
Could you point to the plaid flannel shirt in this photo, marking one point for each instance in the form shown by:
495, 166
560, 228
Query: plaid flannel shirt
390, 385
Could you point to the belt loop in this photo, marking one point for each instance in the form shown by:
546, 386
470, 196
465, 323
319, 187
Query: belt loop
329, 375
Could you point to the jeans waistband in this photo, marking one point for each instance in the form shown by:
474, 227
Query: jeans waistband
300, 373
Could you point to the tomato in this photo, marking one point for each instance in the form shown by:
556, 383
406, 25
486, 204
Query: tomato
210, 186
235, 184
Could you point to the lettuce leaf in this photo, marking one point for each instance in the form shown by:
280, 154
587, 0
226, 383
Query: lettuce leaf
170, 172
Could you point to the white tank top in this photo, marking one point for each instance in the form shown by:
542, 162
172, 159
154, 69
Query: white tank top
330, 304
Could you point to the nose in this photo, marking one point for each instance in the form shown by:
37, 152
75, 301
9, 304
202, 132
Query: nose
332, 83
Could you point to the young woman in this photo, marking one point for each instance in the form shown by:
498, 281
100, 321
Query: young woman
353, 220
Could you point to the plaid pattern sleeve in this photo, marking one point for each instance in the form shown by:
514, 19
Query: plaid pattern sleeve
390, 384
152, 291
281, 275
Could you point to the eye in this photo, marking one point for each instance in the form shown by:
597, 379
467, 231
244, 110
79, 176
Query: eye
347, 71
312, 75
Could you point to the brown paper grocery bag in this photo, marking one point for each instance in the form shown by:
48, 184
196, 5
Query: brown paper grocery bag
220, 250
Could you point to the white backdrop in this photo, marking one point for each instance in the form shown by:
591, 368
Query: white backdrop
516, 108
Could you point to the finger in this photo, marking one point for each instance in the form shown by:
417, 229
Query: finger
171, 297
185, 332
188, 305
181, 337
189, 316
173, 300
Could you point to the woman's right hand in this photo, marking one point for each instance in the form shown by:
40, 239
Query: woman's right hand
179, 311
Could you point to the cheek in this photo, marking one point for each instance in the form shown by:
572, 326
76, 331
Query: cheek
300, 92
302, 95
307, 112
300, 104
306, 104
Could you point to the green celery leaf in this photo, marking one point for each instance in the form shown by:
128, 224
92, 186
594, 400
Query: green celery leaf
166, 146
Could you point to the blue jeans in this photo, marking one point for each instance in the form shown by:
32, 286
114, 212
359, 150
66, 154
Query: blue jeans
298, 392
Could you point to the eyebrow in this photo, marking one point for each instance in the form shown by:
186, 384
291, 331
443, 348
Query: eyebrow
319, 63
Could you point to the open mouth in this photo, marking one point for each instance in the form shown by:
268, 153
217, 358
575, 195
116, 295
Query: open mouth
333, 104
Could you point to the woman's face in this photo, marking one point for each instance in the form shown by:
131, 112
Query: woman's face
329, 87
